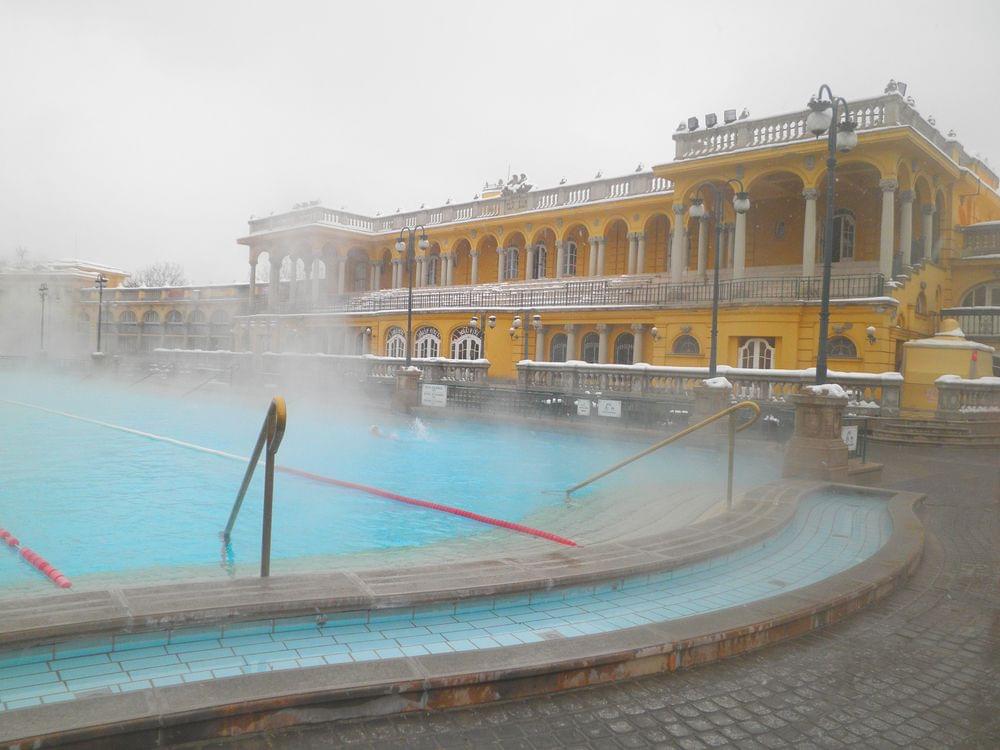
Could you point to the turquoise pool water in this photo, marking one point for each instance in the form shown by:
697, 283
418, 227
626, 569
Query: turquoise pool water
99, 502
830, 533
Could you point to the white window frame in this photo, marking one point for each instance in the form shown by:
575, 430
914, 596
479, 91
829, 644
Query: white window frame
756, 354
395, 343
428, 342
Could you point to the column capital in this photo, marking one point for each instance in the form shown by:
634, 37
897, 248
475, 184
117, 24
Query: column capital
633, 235
703, 219
888, 185
638, 327
810, 194
679, 209
927, 209
598, 238
473, 253
570, 327
601, 327
906, 196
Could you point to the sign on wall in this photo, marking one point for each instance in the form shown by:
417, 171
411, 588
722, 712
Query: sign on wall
434, 395
606, 408
583, 407
849, 434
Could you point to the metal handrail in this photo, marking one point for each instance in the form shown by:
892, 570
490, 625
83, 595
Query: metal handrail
270, 436
729, 411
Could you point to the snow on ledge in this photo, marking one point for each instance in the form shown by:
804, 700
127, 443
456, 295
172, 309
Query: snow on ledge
989, 380
720, 383
830, 390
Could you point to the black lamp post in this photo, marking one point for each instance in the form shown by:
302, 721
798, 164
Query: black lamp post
741, 204
43, 292
101, 281
407, 248
824, 117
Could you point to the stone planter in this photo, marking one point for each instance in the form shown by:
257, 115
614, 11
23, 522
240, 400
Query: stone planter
816, 450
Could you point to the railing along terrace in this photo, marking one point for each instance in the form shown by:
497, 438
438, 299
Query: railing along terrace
869, 393
637, 184
612, 293
976, 322
968, 398
981, 239
869, 114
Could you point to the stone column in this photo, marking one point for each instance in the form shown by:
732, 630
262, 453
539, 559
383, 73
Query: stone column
632, 252
816, 450
529, 265
640, 252
702, 246
887, 229
570, 341
450, 269
501, 257
731, 246
421, 272
474, 271
314, 290
740, 248
274, 285
540, 344
906, 227
637, 331
927, 231
592, 258
560, 258
677, 250
293, 281
602, 343
809, 233
341, 274
253, 285
373, 278
601, 270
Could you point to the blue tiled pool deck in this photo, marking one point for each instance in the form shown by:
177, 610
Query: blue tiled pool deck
829, 533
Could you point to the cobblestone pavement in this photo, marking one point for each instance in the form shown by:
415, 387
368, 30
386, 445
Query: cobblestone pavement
919, 670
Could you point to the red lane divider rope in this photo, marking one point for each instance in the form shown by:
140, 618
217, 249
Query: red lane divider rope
428, 504
33, 558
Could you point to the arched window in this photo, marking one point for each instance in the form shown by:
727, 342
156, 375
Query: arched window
541, 256
557, 349
428, 342
219, 334
510, 263
359, 279
843, 234
569, 259
841, 347
128, 329
395, 343
624, 347
466, 344
433, 269
173, 330
920, 308
591, 347
984, 295
150, 332
756, 354
197, 330
685, 344
83, 323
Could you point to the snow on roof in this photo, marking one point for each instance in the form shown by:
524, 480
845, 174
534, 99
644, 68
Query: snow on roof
830, 390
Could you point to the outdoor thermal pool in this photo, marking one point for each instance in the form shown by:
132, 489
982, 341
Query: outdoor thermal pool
109, 507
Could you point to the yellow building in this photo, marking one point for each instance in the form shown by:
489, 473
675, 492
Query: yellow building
616, 270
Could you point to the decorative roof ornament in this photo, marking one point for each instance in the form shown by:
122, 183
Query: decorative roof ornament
681, 127
516, 185
744, 114
598, 175
638, 167
952, 134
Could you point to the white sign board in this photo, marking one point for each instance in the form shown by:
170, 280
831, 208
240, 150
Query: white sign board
583, 407
434, 395
607, 408
849, 434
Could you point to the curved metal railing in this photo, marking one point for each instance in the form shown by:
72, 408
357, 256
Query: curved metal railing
270, 436
729, 411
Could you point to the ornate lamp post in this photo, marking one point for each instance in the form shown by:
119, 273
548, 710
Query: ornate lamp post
407, 248
824, 117
101, 281
741, 204
43, 292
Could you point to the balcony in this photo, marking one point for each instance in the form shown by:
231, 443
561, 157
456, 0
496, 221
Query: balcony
979, 323
981, 240
612, 188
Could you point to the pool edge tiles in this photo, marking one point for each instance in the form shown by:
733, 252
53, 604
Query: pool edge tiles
810, 549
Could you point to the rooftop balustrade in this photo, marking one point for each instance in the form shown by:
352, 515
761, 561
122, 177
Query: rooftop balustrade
633, 185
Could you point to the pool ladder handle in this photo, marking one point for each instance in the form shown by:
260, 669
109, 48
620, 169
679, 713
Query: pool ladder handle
269, 438
729, 411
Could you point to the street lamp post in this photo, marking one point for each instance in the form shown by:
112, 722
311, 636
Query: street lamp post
43, 291
101, 281
841, 136
407, 248
741, 204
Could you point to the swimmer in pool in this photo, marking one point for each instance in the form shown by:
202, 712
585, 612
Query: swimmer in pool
375, 431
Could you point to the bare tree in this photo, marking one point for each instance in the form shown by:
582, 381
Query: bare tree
158, 274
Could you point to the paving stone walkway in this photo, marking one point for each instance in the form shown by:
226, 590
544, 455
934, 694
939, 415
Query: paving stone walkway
920, 670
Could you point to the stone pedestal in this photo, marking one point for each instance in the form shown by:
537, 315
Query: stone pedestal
816, 450
407, 392
709, 400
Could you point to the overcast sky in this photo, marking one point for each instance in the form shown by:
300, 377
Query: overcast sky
133, 132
